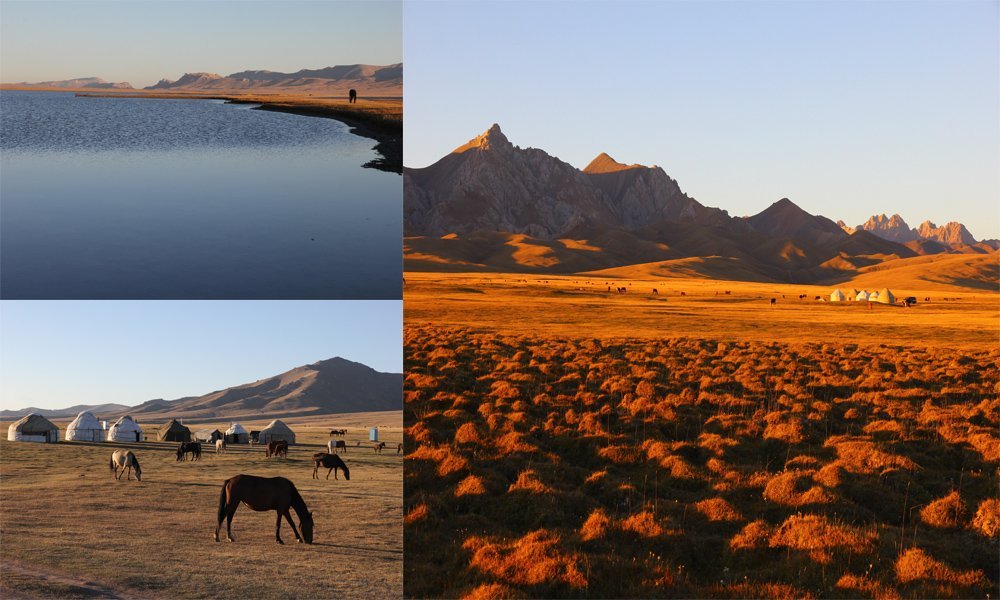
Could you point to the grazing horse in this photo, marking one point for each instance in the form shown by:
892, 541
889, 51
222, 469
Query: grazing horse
279, 448
774, 301
336, 447
340, 432
352, 96
192, 448
126, 460
378, 447
656, 292
332, 462
260, 494
220, 446
399, 448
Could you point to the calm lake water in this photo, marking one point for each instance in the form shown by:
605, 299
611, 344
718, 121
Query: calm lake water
148, 198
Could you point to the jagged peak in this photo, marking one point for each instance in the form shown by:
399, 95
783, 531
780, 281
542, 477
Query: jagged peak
492, 139
603, 163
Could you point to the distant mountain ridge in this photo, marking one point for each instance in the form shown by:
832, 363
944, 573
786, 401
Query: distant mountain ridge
492, 206
338, 78
894, 228
330, 386
81, 82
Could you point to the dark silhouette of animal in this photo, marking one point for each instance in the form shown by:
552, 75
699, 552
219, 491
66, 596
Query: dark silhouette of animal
927, 299
352, 96
192, 448
399, 448
683, 294
261, 494
801, 296
656, 292
332, 462
728, 292
378, 447
817, 298
774, 301
278, 448
340, 432
337, 446
126, 460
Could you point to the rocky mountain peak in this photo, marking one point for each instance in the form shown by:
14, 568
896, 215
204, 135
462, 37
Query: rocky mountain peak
605, 164
491, 139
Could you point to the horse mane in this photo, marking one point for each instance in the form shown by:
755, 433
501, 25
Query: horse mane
135, 462
299, 505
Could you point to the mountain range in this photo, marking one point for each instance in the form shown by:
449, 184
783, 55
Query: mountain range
366, 79
330, 386
492, 206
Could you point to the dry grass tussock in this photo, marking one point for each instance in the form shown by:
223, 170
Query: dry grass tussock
690, 467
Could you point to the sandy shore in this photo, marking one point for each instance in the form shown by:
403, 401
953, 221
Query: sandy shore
377, 118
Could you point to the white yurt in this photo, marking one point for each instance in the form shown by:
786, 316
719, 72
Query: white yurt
85, 428
873, 297
886, 297
125, 429
837, 296
276, 431
33, 428
236, 434
861, 296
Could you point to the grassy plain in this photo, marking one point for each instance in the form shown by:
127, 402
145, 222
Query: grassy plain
564, 441
67, 529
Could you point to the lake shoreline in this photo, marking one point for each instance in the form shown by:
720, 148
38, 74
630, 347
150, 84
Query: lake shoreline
378, 119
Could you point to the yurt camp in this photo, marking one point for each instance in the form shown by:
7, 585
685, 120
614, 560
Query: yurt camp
174, 432
886, 297
208, 435
85, 428
837, 296
236, 434
861, 296
276, 431
125, 429
33, 428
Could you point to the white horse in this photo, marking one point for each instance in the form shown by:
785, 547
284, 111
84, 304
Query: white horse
331, 447
125, 459
220, 446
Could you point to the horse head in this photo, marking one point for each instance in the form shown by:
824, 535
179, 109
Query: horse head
138, 469
306, 524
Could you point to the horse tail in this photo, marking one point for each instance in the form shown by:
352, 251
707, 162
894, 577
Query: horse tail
111, 463
222, 502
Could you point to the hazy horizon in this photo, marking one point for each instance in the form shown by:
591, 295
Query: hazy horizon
848, 109
58, 354
219, 37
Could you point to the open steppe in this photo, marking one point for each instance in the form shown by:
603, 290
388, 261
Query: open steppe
70, 530
564, 441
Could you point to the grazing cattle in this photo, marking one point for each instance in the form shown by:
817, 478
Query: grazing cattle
774, 301
338, 446
220, 446
683, 294
656, 292
817, 298
192, 448
262, 494
124, 459
352, 96
278, 448
340, 432
728, 293
378, 447
801, 296
331, 462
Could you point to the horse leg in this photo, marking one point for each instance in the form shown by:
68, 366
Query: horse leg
277, 529
288, 516
328, 473
229, 522
129, 478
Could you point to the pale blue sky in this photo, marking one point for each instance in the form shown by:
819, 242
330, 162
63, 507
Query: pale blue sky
58, 354
144, 41
847, 108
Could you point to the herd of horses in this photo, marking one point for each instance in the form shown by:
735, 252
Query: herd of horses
258, 493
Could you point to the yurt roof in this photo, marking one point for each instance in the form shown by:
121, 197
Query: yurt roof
84, 420
207, 431
34, 423
277, 426
126, 423
174, 425
837, 293
235, 428
886, 296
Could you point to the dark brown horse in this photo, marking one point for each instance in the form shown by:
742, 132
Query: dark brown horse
332, 462
260, 494
279, 448
352, 96
192, 448
379, 446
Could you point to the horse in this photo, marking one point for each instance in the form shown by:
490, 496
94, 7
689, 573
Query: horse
378, 447
399, 448
220, 446
656, 292
279, 448
774, 301
352, 96
192, 448
336, 447
126, 460
340, 432
261, 494
332, 462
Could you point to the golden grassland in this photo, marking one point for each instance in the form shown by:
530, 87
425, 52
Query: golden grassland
541, 466
563, 441
69, 530
582, 306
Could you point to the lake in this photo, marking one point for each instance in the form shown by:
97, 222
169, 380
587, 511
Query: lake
140, 198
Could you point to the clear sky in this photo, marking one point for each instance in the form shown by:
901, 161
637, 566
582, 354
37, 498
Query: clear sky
847, 108
59, 354
142, 42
